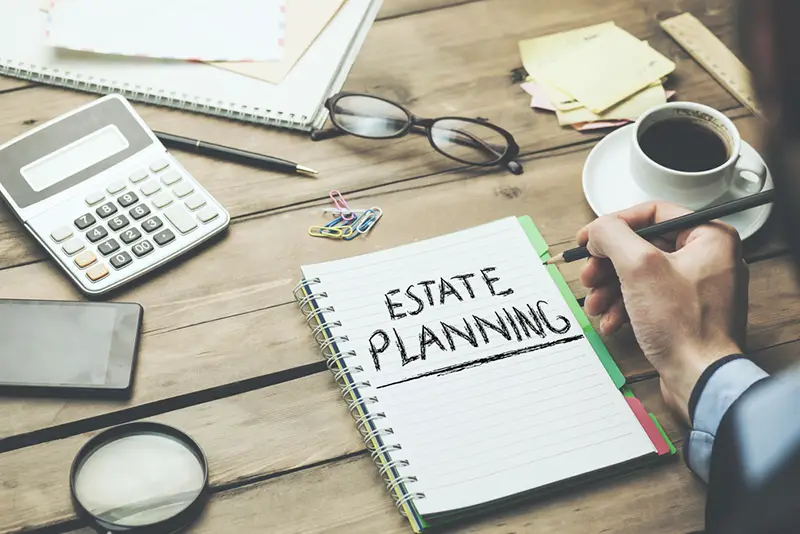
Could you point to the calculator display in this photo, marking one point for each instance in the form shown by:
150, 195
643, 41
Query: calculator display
69, 151
75, 157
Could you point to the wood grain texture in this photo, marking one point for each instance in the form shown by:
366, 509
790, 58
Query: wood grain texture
303, 422
441, 69
244, 437
256, 343
662, 499
9, 84
223, 315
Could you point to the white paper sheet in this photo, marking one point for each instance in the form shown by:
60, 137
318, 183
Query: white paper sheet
477, 423
297, 100
207, 30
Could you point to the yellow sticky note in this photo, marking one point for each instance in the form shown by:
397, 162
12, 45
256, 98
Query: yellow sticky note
603, 71
630, 108
542, 50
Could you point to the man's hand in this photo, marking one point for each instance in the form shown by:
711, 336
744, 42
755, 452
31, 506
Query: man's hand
684, 295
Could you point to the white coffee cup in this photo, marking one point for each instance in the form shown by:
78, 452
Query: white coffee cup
740, 175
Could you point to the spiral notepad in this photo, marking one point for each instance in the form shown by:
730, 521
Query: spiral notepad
472, 373
297, 102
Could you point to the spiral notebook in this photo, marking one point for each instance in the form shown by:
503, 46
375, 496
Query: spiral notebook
297, 102
473, 374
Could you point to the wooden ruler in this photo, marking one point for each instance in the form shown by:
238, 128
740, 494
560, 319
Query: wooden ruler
714, 56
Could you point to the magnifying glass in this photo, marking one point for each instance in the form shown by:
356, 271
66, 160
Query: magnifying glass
139, 477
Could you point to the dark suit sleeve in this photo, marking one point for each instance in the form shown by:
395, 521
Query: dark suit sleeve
754, 483
719, 386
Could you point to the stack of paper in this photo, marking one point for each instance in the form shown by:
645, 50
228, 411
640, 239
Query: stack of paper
177, 29
595, 77
262, 39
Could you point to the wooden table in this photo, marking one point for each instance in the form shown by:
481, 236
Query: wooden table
227, 357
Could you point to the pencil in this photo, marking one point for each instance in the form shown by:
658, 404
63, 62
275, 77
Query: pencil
680, 223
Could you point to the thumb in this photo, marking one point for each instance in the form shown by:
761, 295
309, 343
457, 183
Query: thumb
611, 237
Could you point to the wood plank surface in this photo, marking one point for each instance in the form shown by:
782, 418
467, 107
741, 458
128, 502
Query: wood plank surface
442, 70
286, 458
10, 84
302, 423
193, 358
552, 184
245, 437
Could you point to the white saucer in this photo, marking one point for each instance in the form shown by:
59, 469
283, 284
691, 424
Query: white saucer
609, 186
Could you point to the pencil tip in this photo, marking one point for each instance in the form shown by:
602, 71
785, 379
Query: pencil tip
554, 260
306, 170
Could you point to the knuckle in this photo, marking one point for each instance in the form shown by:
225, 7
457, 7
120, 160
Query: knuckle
648, 259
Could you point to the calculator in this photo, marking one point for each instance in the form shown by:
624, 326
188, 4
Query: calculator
103, 196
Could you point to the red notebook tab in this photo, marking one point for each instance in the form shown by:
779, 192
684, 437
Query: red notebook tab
649, 426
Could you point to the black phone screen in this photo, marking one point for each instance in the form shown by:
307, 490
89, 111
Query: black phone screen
68, 344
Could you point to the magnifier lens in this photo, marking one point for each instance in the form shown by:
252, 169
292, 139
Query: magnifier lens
139, 479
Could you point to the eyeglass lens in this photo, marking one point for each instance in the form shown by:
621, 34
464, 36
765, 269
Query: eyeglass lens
470, 142
369, 117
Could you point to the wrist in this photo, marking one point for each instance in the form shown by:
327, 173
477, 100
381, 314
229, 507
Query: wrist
689, 365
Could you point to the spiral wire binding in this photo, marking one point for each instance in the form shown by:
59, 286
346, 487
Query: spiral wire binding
357, 405
153, 95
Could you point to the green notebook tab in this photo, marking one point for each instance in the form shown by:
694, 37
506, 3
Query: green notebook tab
540, 245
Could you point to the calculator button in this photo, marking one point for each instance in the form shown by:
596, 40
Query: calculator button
85, 259
194, 202
152, 224
73, 246
164, 237
85, 221
138, 176
115, 187
118, 223
96, 234
97, 272
171, 177
207, 214
150, 188
121, 260
162, 200
183, 189
94, 198
139, 211
130, 235
159, 165
108, 247
179, 217
143, 248
60, 234
128, 199
106, 210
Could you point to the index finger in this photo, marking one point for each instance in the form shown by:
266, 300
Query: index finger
641, 215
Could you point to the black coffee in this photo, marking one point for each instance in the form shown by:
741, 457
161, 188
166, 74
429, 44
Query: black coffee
684, 145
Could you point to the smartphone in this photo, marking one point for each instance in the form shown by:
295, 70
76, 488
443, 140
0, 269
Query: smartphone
61, 348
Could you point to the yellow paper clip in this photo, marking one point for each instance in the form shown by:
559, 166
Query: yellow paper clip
325, 231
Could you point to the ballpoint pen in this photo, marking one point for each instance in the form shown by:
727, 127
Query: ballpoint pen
235, 155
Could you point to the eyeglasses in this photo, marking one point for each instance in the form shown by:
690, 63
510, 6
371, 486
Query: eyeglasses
470, 141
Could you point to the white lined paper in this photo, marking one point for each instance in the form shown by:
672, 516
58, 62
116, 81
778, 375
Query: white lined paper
491, 430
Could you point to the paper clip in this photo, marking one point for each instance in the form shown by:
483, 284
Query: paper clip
339, 211
340, 203
325, 231
334, 222
367, 225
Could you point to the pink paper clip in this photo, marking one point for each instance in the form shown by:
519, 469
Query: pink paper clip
340, 203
